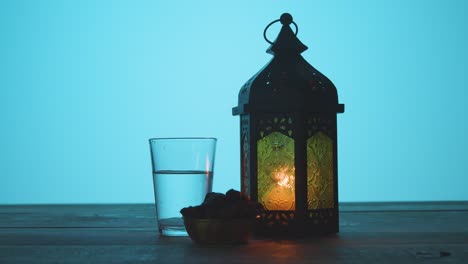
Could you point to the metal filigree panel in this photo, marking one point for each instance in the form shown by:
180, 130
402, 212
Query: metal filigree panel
272, 123
322, 217
320, 185
275, 219
323, 124
245, 155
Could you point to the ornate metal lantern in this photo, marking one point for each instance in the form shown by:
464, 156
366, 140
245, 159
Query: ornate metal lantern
288, 141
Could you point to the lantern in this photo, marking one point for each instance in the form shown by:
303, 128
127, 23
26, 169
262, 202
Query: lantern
288, 139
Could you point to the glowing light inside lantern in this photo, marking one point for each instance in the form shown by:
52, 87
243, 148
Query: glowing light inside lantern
282, 179
282, 194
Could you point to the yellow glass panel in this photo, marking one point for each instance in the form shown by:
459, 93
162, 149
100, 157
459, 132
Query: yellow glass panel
276, 178
320, 186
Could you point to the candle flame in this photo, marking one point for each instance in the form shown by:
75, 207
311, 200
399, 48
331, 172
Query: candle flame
283, 179
282, 195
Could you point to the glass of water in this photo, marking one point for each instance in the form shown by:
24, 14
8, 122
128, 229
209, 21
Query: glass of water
182, 176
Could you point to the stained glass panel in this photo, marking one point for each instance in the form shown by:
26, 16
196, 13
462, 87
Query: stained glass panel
320, 186
276, 177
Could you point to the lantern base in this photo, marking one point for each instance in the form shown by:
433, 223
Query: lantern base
289, 224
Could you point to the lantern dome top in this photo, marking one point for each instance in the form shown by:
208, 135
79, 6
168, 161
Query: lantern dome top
288, 83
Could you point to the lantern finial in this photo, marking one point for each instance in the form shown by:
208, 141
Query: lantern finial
286, 19
287, 41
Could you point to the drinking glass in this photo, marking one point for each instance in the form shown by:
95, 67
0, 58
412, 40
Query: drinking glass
182, 176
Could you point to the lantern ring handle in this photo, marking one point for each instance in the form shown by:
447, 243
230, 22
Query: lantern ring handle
277, 20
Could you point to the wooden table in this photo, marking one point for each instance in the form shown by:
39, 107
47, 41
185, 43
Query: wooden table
370, 233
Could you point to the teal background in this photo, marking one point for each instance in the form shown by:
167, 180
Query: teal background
84, 84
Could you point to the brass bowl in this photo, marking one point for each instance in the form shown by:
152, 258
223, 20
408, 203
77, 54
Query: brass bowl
219, 231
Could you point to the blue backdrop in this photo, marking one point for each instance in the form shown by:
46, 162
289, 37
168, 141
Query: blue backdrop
84, 84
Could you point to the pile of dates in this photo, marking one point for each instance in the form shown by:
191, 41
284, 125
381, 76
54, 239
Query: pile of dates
224, 206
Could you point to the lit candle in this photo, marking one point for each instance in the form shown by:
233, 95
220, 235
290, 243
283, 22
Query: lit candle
282, 196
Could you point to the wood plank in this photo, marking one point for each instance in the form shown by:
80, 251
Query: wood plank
399, 224
400, 221
370, 233
143, 215
139, 236
404, 206
126, 215
253, 253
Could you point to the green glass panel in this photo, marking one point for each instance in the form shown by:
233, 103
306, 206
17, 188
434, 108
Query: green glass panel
276, 178
320, 186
